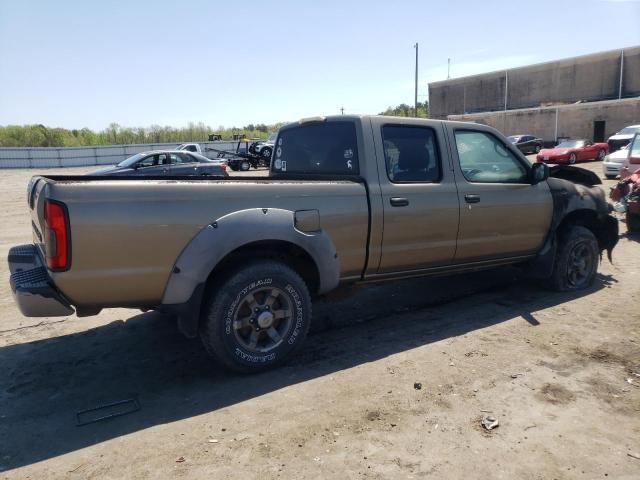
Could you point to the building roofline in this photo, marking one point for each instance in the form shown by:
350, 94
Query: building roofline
560, 60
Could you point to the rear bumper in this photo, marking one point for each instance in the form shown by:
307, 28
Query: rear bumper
31, 286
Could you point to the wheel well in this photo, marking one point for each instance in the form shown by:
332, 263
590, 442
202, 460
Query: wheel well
588, 219
288, 253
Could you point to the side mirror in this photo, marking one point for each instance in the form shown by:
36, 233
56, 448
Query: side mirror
539, 173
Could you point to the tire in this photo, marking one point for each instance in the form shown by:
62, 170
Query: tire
257, 318
234, 166
633, 222
266, 152
610, 177
245, 165
576, 260
537, 149
572, 158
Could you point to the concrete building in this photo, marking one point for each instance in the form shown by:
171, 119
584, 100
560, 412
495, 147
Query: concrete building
591, 96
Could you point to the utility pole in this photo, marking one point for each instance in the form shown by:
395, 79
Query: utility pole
448, 68
415, 100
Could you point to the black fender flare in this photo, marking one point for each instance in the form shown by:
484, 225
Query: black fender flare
185, 286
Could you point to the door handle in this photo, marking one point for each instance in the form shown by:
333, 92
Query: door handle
399, 202
472, 198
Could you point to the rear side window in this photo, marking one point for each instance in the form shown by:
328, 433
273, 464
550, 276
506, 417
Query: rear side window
411, 154
321, 148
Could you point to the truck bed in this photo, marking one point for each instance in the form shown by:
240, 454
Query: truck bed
127, 232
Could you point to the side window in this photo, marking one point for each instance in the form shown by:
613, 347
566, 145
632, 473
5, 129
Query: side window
192, 148
411, 154
484, 159
149, 161
178, 158
319, 148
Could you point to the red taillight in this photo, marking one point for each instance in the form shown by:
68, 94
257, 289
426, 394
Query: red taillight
56, 235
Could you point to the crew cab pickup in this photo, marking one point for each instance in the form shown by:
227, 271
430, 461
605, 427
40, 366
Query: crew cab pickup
348, 199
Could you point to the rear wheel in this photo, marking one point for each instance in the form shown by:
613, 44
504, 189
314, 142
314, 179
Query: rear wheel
577, 259
266, 152
245, 165
257, 318
572, 158
633, 222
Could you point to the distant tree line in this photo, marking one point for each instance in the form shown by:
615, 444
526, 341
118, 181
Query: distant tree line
114, 134
404, 110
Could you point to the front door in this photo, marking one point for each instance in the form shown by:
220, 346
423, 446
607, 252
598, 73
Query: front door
419, 196
501, 214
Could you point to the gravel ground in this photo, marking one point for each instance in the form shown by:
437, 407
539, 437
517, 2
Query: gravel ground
393, 383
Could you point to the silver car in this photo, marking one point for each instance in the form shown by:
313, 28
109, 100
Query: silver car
612, 163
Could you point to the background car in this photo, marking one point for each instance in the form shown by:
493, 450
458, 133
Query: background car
264, 148
631, 164
166, 162
622, 138
612, 163
572, 151
526, 143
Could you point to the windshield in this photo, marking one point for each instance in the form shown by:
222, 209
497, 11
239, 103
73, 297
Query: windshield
514, 138
131, 160
571, 144
181, 146
628, 131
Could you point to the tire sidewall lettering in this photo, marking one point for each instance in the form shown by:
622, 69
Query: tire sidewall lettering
294, 334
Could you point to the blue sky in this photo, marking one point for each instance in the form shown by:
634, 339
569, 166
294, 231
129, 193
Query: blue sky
89, 63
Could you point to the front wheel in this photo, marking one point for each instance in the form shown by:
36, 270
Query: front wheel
257, 318
601, 154
245, 165
576, 260
537, 149
572, 158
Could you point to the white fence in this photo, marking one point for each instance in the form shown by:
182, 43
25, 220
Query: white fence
50, 157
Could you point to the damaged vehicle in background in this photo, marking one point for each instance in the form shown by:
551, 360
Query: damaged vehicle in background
349, 200
622, 138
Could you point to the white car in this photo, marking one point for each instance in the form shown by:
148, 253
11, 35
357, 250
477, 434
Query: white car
622, 138
612, 163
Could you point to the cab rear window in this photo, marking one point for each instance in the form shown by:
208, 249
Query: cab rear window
319, 148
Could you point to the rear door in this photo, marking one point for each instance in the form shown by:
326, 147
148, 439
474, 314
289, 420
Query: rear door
501, 215
182, 164
420, 201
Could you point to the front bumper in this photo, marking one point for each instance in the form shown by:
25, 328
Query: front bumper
31, 286
611, 168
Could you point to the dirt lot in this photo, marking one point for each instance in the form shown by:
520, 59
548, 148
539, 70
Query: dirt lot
560, 372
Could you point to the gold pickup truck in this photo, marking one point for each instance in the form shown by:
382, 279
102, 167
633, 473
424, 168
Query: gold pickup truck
348, 199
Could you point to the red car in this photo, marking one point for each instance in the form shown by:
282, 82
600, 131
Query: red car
572, 151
